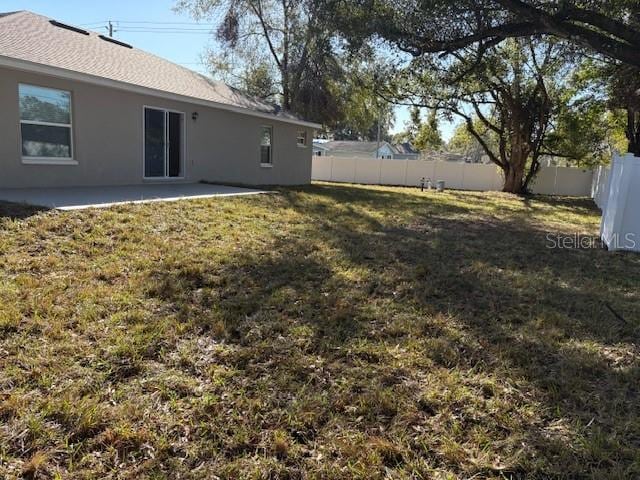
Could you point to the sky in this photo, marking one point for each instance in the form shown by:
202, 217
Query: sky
165, 37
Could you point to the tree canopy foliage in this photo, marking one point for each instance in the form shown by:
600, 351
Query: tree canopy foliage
424, 136
611, 28
428, 137
287, 52
279, 50
513, 91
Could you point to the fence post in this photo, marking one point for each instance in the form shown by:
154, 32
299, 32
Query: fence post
406, 171
435, 171
355, 171
464, 167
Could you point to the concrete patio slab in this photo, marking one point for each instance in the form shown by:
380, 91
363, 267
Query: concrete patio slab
74, 198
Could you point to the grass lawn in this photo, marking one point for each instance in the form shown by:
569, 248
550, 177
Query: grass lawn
323, 332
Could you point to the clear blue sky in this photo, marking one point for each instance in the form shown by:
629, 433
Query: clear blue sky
183, 48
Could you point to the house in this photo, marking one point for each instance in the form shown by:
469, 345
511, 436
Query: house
82, 109
358, 149
319, 150
405, 151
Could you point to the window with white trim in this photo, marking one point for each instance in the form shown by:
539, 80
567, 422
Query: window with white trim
266, 140
302, 138
45, 123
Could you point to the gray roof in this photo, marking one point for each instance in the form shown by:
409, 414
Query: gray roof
32, 38
352, 146
405, 149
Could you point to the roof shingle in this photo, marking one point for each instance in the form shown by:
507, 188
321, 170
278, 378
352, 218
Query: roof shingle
31, 37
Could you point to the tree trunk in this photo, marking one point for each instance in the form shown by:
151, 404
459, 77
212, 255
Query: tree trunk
286, 92
513, 179
633, 131
531, 174
514, 175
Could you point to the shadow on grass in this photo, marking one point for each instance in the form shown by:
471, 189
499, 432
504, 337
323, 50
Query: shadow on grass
19, 211
275, 286
533, 313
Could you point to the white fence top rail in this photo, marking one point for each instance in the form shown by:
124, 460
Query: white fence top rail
456, 175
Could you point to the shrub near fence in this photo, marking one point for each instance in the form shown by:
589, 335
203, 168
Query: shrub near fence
457, 175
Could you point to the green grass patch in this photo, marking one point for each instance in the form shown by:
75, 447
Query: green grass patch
329, 331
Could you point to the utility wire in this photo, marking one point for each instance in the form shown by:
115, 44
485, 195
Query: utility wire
165, 23
145, 22
162, 29
174, 32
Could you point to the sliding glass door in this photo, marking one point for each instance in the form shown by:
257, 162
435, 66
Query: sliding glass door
163, 143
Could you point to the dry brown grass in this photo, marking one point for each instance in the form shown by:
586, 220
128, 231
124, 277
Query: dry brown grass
324, 332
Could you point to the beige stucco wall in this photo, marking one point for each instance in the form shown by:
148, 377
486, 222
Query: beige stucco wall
221, 146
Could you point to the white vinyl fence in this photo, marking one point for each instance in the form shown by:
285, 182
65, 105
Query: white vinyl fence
600, 186
456, 175
616, 192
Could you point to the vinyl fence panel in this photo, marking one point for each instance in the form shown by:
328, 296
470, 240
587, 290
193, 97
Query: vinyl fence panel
575, 182
620, 226
368, 171
456, 175
321, 168
394, 172
600, 186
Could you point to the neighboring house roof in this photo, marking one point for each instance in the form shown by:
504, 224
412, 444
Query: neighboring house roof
352, 147
448, 156
405, 149
32, 42
357, 148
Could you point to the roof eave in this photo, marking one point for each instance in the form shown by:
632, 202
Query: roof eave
33, 67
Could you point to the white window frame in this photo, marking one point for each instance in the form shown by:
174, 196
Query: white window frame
302, 135
48, 160
183, 159
270, 164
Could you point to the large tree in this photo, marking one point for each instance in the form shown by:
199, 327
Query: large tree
428, 137
610, 27
363, 112
464, 143
513, 92
278, 49
424, 136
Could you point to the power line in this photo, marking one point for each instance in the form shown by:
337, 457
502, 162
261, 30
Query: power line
146, 22
165, 23
174, 32
102, 22
161, 29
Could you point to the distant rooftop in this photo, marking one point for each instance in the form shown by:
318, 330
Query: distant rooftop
352, 146
355, 147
